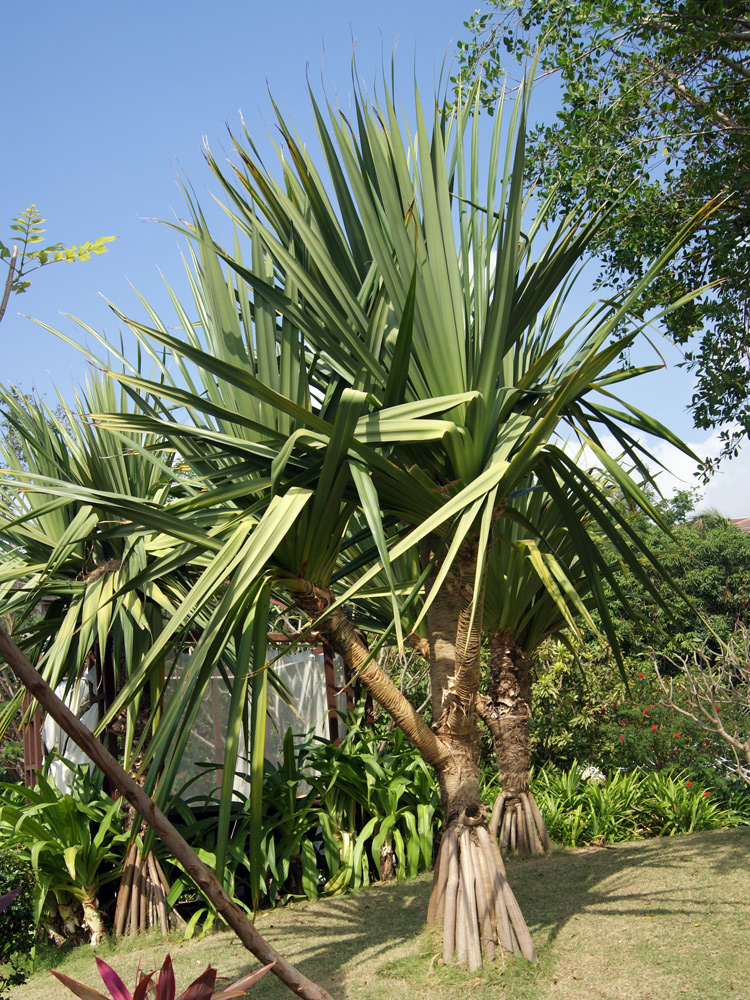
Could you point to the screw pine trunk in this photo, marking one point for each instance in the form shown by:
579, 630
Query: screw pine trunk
471, 897
506, 710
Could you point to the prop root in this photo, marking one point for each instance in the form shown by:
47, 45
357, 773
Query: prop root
520, 824
472, 899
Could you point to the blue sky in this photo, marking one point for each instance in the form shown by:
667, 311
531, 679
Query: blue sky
106, 105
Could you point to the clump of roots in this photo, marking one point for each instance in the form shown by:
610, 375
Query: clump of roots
142, 897
472, 899
516, 815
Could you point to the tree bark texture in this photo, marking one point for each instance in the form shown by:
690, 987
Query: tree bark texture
200, 873
454, 628
506, 710
471, 897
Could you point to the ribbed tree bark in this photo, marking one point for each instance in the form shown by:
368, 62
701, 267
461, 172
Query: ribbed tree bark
471, 897
454, 637
506, 710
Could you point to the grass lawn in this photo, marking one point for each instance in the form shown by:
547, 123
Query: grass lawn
648, 920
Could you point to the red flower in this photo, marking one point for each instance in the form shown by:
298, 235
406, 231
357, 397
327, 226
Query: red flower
677, 736
622, 723
622, 737
650, 706
654, 727
640, 675
645, 711
718, 707
705, 795
688, 783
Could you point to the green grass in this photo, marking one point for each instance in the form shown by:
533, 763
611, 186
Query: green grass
645, 920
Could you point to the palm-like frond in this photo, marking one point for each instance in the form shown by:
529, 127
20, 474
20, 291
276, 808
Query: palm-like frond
70, 568
387, 350
313, 353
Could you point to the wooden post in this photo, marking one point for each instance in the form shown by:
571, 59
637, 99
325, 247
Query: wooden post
33, 758
331, 692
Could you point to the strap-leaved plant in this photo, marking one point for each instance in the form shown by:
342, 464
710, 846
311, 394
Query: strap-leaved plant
392, 350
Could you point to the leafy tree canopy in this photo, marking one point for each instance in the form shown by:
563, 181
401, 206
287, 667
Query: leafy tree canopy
654, 110
581, 706
708, 558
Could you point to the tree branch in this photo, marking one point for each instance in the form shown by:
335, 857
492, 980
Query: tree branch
179, 848
722, 120
9, 281
734, 65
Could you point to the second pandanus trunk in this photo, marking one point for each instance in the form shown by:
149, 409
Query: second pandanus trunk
471, 897
506, 710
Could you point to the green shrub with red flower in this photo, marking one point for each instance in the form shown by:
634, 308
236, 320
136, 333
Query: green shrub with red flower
585, 711
580, 808
582, 711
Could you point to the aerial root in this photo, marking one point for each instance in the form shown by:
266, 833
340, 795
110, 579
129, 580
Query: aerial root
472, 899
142, 897
522, 829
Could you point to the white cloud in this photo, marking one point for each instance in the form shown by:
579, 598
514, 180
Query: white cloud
728, 491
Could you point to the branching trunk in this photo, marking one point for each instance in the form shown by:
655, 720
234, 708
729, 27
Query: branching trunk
506, 710
342, 635
471, 897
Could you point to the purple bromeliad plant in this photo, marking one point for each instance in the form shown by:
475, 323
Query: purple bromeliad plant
161, 985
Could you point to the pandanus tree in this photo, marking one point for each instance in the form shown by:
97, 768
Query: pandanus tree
388, 348
553, 550
537, 587
72, 572
63, 559
88, 596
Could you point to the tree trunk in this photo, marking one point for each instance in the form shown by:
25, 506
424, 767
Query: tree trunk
471, 897
506, 710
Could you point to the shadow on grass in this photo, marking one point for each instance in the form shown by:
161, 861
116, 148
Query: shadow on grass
664, 876
334, 940
329, 940
370, 945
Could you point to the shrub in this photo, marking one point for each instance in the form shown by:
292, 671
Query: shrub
579, 809
675, 804
334, 817
584, 712
74, 845
11, 760
17, 925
